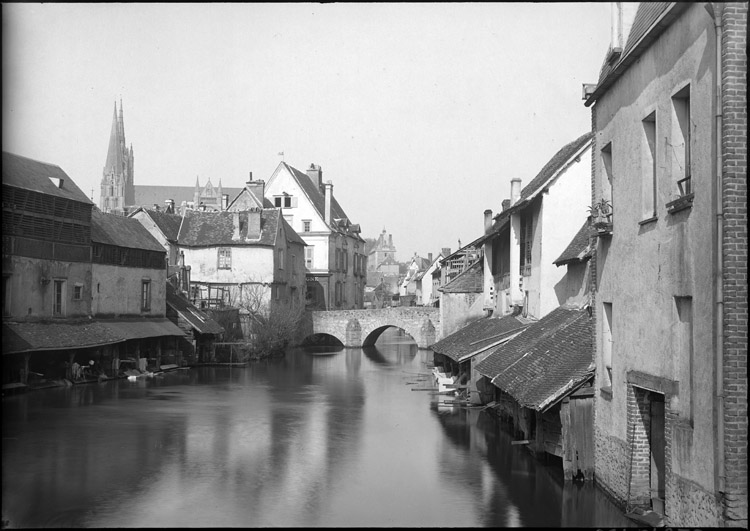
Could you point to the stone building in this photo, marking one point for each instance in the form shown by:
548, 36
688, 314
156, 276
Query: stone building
669, 116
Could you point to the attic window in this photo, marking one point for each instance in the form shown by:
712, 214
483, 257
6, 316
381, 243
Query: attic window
57, 181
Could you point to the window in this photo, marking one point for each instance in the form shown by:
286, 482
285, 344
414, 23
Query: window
309, 254
280, 254
276, 292
58, 301
78, 292
306, 225
526, 239
145, 295
680, 142
607, 344
607, 183
277, 202
225, 258
684, 355
648, 168
287, 202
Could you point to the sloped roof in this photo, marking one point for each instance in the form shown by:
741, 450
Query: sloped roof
30, 174
478, 336
209, 229
149, 195
580, 248
317, 199
650, 20
550, 358
502, 220
122, 231
555, 164
61, 335
197, 319
291, 234
169, 224
470, 280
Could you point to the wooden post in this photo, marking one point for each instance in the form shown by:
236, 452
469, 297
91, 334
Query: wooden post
25, 369
158, 353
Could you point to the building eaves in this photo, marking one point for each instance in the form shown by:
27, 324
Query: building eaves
42, 177
580, 248
478, 336
121, 231
651, 19
470, 280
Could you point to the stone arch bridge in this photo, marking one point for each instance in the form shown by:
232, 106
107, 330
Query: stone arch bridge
361, 328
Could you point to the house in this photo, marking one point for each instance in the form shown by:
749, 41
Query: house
521, 242
201, 332
335, 252
542, 381
416, 266
669, 113
63, 264
426, 287
382, 251
461, 299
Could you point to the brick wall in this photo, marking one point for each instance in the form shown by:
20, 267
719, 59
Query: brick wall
734, 244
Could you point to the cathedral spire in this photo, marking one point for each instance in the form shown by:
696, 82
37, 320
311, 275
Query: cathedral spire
114, 162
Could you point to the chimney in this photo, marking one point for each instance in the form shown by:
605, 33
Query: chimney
329, 198
390, 240
224, 201
446, 251
253, 224
257, 188
429, 258
506, 204
236, 224
487, 220
515, 190
316, 175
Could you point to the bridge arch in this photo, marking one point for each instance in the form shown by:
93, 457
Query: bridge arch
356, 328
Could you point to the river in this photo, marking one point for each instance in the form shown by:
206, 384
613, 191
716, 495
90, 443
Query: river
319, 437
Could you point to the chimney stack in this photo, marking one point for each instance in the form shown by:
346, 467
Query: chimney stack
257, 188
390, 240
253, 223
169, 206
515, 190
487, 220
329, 198
236, 223
316, 175
446, 251
506, 204
429, 258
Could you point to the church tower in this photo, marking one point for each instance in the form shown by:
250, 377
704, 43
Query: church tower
117, 186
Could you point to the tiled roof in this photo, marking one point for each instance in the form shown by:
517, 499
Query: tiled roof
580, 247
550, 358
61, 335
30, 174
149, 195
656, 15
317, 198
122, 231
555, 164
210, 229
169, 224
478, 336
197, 319
502, 220
470, 280
291, 234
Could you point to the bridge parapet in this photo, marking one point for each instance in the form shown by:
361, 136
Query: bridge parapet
356, 328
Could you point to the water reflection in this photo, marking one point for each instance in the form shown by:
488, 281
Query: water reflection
316, 438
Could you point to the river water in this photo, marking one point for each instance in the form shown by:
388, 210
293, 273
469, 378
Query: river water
320, 437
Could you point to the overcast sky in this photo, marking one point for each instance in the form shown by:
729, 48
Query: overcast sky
420, 114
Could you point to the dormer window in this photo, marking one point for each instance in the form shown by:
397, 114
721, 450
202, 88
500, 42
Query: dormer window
58, 182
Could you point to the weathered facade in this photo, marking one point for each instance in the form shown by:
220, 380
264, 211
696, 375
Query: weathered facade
670, 121
335, 253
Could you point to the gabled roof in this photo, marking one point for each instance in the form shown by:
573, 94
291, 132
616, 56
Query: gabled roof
317, 199
42, 177
168, 224
471, 246
651, 19
580, 248
197, 319
470, 280
545, 362
210, 229
121, 231
478, 336
266, 203
554, 165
